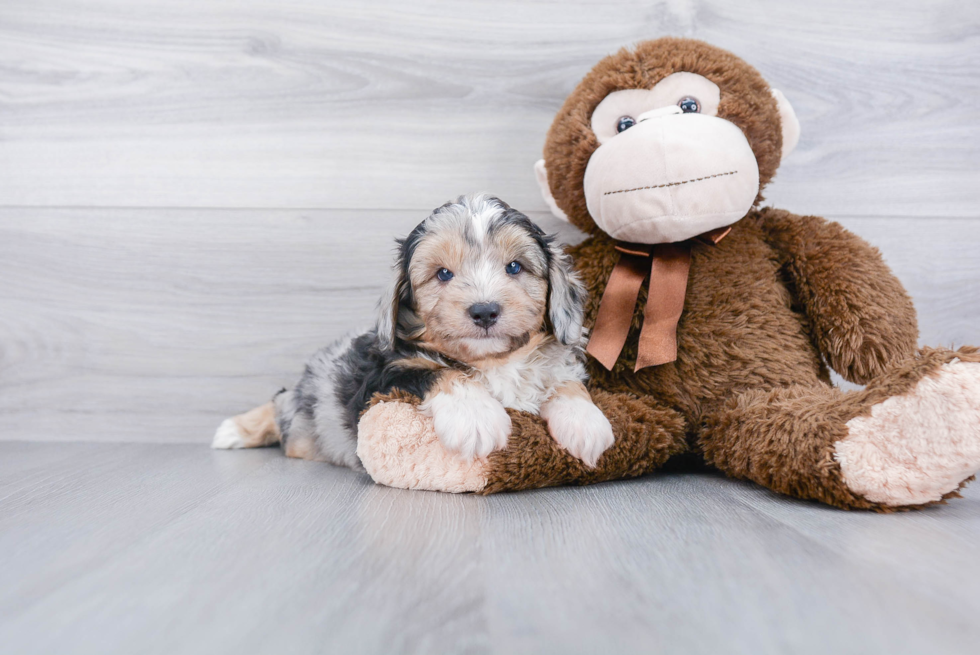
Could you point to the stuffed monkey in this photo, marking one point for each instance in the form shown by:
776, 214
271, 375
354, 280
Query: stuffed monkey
714, 320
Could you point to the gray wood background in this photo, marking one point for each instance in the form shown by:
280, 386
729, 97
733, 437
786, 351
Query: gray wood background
196, 195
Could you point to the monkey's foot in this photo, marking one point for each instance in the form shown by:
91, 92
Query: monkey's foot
399, 448
915, 448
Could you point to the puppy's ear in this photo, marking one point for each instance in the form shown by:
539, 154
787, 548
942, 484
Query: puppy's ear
396, 313
566, 296
388, 310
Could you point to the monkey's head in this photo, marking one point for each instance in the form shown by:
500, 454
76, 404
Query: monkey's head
665, 142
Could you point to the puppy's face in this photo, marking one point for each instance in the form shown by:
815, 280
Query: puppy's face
477, 279
481, 284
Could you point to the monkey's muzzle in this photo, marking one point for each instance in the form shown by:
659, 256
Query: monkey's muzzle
671, 177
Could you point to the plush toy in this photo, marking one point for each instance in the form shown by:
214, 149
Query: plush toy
713, 320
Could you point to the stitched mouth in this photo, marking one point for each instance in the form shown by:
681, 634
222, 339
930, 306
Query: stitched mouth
668, 184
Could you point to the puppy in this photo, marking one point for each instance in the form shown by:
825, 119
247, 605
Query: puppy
485, 313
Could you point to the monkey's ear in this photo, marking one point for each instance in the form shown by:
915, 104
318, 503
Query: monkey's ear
566, 296
789, 122
541, 173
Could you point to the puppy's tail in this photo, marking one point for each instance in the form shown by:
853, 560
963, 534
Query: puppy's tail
252, 429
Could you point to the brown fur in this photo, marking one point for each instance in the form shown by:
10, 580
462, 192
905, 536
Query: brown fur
745, 101
742, 344
647, 435
784, 438
749, 391
765, 308
446, 381
258, 426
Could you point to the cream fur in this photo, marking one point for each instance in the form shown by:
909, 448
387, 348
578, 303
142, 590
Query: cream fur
789, 123
399, 448
253, 429
671, 178
541, 175
668, 92
915, 448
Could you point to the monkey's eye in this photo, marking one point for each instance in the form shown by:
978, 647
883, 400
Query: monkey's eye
625, 123
689, 105
513, 268
444, 275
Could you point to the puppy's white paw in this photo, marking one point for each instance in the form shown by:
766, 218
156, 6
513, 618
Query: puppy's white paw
468, 421
228, 436
579, 427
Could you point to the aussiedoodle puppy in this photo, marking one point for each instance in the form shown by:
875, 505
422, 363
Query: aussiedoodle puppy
485, 313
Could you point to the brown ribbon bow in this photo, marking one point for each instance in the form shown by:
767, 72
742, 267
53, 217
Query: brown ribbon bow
670, 264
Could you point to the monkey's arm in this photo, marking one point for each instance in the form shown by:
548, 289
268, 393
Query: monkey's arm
398, 447
646, 435
860, 315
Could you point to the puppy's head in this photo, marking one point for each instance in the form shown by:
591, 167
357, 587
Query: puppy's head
477, 279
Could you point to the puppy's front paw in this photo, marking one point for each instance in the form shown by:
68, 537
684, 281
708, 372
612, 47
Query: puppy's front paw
470, 424
579, 427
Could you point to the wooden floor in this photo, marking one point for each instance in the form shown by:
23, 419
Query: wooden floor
194, 196
150, 548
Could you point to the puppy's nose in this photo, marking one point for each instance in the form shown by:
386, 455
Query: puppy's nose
484, 314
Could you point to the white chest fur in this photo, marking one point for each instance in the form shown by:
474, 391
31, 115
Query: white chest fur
525, 380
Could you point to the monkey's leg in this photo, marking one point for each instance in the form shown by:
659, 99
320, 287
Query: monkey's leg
399, 448
910, 438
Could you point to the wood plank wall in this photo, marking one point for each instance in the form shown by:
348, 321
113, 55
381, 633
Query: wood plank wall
194, 195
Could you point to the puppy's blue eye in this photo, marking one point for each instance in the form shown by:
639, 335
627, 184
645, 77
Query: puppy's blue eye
513, 268
444, 274
625, 123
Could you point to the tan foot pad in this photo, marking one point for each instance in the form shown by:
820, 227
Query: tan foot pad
917, 447
399, 448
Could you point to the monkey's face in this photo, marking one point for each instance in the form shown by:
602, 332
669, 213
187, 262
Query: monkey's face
667, 167
664, 143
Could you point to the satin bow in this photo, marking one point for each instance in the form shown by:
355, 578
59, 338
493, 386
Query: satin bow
669, 266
